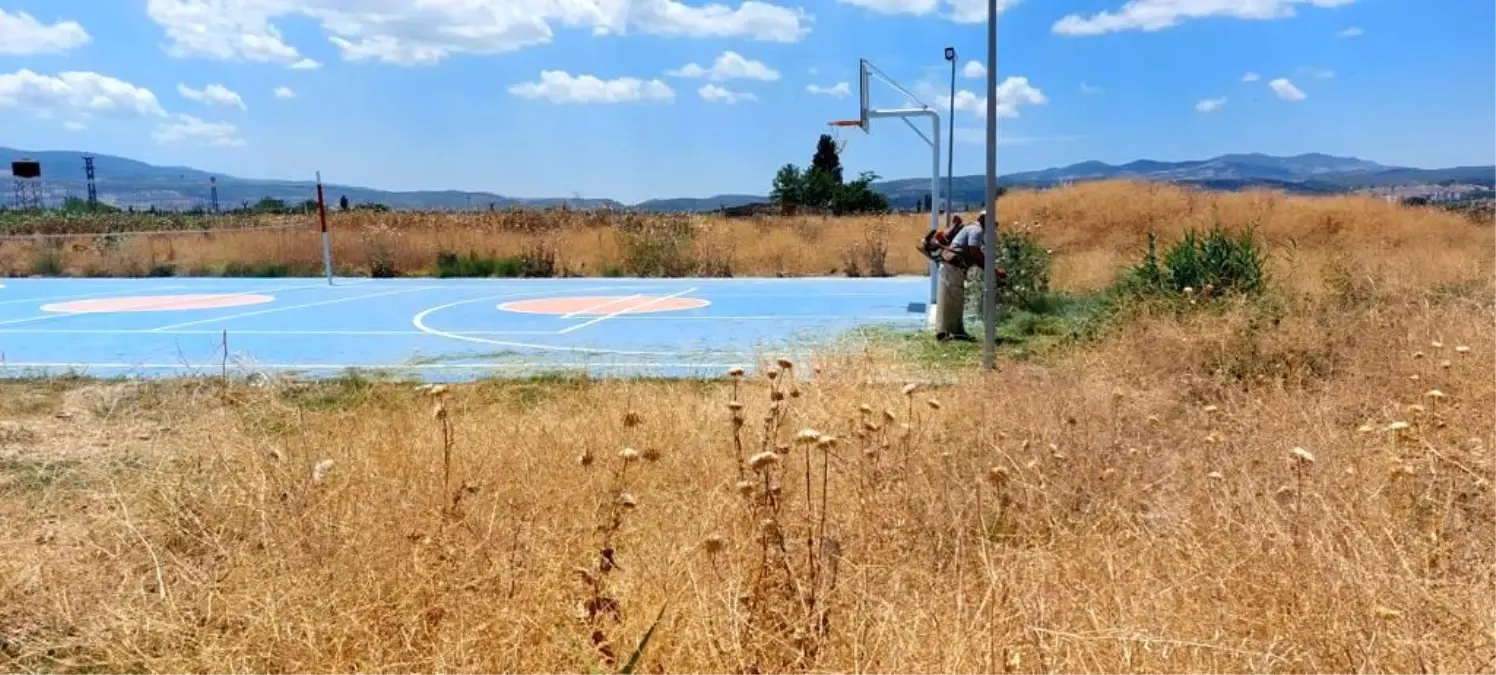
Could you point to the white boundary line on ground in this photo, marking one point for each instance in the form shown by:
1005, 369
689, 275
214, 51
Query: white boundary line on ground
538, 365
288, 308
84, 296
625, 310
58, 315
585, 310
419, 321
151, 331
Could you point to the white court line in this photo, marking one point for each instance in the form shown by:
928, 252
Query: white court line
84, 296
152, 331
593, 309
288, 308
57, 315
539, 365
625, 310
419, 321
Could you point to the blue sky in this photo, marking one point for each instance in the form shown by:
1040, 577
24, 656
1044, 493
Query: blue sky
439, 94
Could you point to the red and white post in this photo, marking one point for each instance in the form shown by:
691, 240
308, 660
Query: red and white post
326, 244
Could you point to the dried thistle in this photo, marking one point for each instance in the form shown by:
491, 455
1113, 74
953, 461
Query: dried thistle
629, 455
762, 461
1301, 456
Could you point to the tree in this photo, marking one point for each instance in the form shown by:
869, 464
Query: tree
343, 203
270, 205
822, 186
828, 158
788, 189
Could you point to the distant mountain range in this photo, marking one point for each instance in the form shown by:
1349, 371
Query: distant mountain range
126, 182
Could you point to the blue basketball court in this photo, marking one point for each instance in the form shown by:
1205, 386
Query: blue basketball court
435, 329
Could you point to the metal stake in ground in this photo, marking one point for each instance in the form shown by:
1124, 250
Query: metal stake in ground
326, 245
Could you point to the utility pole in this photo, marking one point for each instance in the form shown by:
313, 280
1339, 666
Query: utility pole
213, 192
950, 146
989, 234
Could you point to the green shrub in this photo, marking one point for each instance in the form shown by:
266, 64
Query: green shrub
537, 261
48, 261
1026, 264
1213, 264
267, 270
660, 247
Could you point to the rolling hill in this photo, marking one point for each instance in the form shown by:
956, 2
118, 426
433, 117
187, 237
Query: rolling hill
127, 182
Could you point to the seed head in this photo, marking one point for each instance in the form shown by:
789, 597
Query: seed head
736, 371
1418, 355
1445, 363
651, 454
1108, 473
1387, 613
1435, 394
826, 442
1365, 429
744, 487
1416, 409
807, 436
888, 415
865, 409
631, 419
997, 476
440, 411
734, 406
1436, 344
772, 374
762, 460
782, 448
1398, 426
1211, 409
910, 388
1462, 349
786, 364
1301, 456
627, 501
1153, 420
585, 459
1215, 475
629, 455
712, 544
320, 470
934, 404
437, 391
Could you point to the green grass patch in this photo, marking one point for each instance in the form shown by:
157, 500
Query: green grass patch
1046, 323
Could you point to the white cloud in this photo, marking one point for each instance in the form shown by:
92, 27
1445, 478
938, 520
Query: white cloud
306, 64
1353, 31
959, 11
838, 90
73, 93
211, 95
22, 34
1317, 73
712, 93
973, 70
1286, 91
74, 125
558, 86
189, 129
1208, 105
1251, 77
429, 31
1012, 93
1090, 89
1155, 15
729, 65
284, 93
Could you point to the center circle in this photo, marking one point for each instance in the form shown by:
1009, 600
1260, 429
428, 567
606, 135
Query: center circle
158, 303
603, 305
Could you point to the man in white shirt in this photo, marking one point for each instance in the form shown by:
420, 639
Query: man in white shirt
963, 253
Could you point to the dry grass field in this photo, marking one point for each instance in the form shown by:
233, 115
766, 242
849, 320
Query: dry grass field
1298, 482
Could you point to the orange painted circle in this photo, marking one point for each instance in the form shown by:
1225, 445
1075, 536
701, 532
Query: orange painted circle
603, 305
158, 303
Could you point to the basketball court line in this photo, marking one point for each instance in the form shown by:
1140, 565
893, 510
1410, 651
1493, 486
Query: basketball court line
633, 308
207, 367
593, 309
288, 308
58, 315
88, 296
713, 339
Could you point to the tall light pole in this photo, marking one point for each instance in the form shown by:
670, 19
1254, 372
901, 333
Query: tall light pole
950, 146
989, 234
